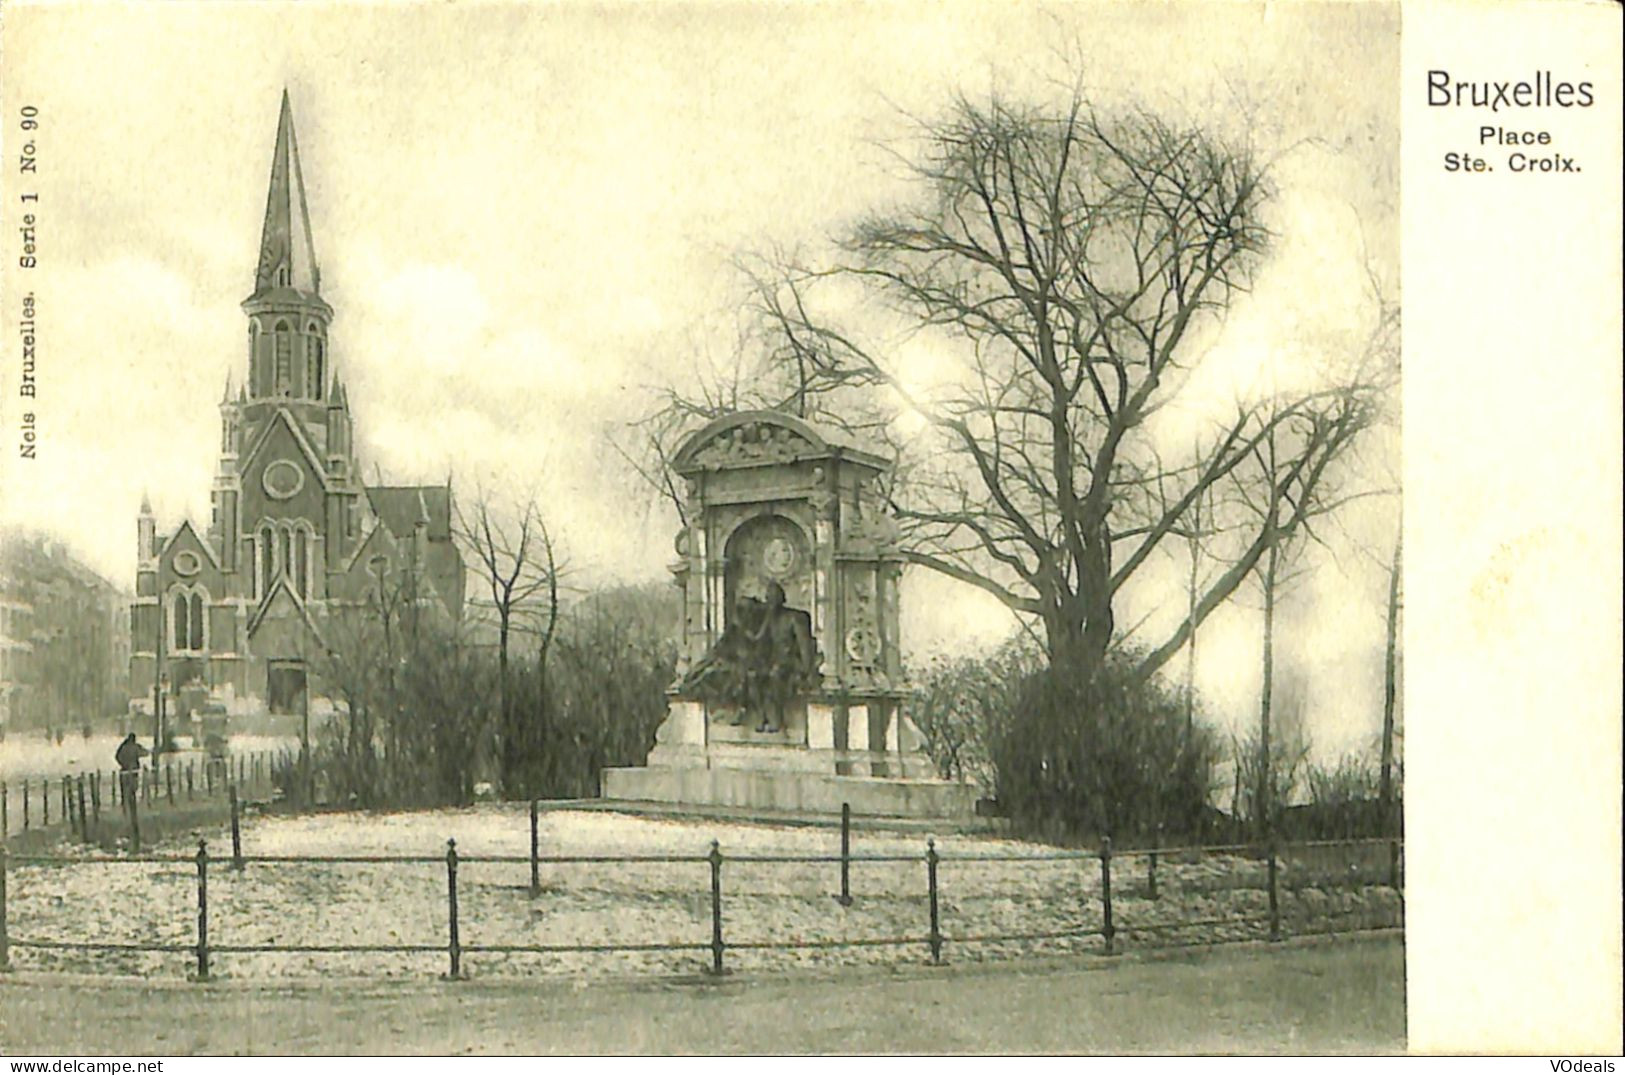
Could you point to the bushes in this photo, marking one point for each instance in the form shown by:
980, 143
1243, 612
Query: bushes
961, 701
600, 697
416, 718
1111, 756
412, 711
1068, 759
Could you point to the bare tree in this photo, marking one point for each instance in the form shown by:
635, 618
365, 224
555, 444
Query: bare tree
513, 553
1063, 260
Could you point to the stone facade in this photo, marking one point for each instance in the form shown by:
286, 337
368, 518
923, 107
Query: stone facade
295, 535
62, 639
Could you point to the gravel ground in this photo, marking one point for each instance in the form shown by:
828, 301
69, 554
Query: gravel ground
1211, 899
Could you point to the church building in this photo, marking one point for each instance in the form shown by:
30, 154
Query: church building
239, 613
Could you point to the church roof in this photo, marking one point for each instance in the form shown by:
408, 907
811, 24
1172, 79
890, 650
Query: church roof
400, 506
287, 254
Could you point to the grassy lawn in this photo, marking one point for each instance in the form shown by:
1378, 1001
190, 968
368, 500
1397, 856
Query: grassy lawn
1340, 996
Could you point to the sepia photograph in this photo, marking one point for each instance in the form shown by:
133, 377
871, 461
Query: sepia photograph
700, 528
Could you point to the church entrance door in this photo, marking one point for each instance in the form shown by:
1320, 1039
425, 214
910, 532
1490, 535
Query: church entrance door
285, 688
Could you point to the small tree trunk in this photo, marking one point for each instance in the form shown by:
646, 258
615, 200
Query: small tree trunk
1390, 689
1266, 786
1190, 653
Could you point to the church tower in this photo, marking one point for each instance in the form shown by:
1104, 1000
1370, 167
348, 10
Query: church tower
295, 537
287, 318
289, 498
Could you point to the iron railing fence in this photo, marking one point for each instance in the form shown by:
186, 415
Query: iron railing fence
110, 802
1094, 872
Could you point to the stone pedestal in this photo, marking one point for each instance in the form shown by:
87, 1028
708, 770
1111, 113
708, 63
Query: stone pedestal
829, 760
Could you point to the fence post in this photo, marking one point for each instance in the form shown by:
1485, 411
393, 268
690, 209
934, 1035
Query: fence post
189, 780
935, 938
5, 811
716, 907
45, 802
1275, 905
202, 911
134, 804
25, 804
96, 796
535, 866
1108, 932
1151, 870
67, 802
84, 818
846, 855
236, 835
5, 940
454, 948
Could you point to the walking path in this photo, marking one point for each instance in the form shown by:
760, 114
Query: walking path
1345, 995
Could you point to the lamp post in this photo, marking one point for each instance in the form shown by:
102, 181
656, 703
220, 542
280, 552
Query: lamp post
159, 678
304, 735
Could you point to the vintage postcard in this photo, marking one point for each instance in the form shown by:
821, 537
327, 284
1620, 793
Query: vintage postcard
825, 528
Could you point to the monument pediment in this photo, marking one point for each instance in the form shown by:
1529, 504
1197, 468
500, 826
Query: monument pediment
758, 438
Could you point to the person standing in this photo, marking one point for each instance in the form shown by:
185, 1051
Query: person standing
129, 755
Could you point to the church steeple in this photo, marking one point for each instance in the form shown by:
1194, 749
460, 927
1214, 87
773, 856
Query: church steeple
287, 253
287, 319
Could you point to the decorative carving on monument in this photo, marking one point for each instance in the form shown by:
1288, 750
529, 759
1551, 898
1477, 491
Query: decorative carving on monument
864, 641
872, 527
863, 646
821, 500
779, 559
688, 502
753, 442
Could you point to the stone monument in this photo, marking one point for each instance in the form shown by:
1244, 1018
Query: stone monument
789, 685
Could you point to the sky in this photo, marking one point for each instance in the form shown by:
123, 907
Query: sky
527, 218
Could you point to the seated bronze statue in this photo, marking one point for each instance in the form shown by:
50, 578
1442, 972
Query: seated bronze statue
764, 658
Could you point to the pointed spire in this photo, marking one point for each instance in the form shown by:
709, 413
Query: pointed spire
225, 396
287, 254
242, 394
146, 503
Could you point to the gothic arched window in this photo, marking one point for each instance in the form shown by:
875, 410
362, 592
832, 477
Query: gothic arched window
313, 361
284, 358
180, 635
301, 563
256, 368
284, 559
267, 559
197, 621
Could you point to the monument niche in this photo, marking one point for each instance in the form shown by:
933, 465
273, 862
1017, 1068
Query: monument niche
789, 684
